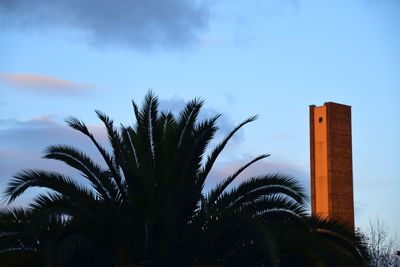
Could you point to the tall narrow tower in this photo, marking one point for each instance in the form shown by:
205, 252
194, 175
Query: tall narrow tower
331, 162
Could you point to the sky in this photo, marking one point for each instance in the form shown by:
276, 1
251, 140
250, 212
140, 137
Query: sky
273, 58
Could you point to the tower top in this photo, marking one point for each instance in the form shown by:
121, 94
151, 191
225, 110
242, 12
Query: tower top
330, 104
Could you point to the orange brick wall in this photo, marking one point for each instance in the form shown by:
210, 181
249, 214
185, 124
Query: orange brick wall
331, 162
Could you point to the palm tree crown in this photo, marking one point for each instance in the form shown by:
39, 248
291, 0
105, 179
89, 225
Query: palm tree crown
145, 205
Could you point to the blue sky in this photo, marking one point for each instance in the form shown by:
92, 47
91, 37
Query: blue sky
273, 58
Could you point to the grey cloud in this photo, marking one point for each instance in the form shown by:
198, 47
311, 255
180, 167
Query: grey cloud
22, 142
39, 132
127, 23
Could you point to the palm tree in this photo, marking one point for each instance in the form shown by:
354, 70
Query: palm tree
145, 205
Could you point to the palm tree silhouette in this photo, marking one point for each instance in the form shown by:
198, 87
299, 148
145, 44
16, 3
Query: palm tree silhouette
146, 205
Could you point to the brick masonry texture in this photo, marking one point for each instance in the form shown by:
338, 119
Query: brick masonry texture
331, 179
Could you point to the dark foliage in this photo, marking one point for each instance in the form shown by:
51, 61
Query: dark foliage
147, 207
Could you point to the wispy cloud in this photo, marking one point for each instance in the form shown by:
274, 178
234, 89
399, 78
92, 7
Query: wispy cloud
45, 83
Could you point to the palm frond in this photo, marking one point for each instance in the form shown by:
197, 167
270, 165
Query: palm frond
220, 188
264, 206
202, 135
77, 249
46, 179
118, 160
16, 239
81, 127
187, 119
218, 149
239, 239
255, 187
340, 234
97, 176
57, 205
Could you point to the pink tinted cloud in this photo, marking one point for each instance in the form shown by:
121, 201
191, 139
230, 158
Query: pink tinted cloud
44, 83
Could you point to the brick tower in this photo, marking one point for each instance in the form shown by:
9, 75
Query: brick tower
331, 162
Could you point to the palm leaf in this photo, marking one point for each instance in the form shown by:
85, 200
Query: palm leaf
45, 179
97, 176
220, 188
218, 149
81, 127
118, 160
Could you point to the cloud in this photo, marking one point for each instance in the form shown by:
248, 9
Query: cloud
44, 83
39, 132
128, 23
